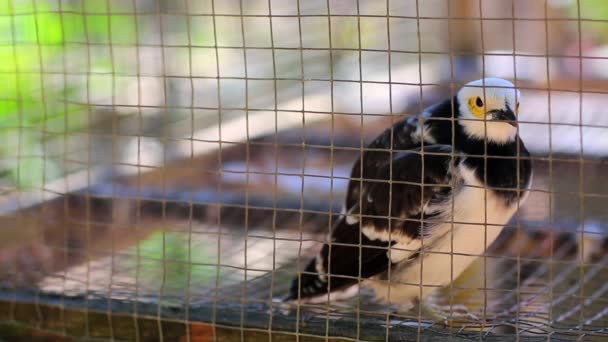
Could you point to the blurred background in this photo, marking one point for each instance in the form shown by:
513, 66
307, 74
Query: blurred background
189, 141
83, 76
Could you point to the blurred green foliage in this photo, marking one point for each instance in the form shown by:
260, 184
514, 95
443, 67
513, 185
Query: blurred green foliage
35, 37
166, 259
592, 9
596, 10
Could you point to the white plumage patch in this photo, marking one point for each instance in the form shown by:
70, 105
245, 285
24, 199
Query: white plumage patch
351, 218
319, 268
383, 235
422, 132
498, 132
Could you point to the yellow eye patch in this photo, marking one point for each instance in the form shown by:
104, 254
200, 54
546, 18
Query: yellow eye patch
475, 109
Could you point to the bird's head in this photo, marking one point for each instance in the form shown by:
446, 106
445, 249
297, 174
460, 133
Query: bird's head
488, 109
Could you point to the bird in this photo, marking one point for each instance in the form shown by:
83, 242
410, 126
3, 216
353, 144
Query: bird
424, 200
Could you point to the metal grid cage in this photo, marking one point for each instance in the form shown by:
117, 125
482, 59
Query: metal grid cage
169, 166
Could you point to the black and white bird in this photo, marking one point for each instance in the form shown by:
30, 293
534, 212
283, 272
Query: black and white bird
426, 198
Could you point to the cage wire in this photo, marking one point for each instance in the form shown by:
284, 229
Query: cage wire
170, 166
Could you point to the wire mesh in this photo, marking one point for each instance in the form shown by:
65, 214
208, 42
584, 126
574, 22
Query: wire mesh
170, 166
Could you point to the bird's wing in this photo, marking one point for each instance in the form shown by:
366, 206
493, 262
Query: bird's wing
411, 191
379, 153
405, 193
429, 126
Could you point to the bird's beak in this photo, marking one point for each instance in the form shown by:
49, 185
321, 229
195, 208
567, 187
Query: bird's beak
504, 115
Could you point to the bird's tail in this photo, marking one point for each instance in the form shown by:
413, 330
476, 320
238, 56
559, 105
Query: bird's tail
308, 284
316, 281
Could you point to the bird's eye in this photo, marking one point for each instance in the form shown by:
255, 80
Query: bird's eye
517, 106
479, 102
